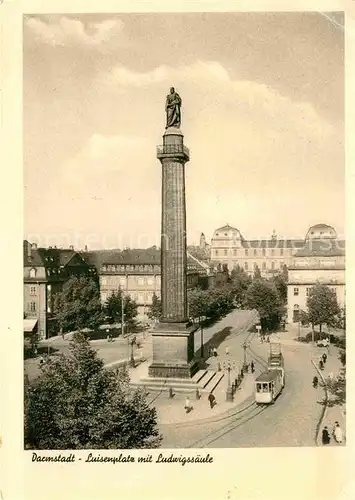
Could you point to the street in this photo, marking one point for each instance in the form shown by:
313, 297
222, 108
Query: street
291, 421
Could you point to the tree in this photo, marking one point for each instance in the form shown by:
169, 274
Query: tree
78, 305
257, 273
264, 297
113, 307
240, 282
281, 286
77, 404
322, 306
155, 310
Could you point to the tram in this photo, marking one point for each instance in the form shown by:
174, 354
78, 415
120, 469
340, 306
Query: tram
270, 383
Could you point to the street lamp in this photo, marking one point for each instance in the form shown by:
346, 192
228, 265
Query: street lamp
245, 345
201, 328
228, 365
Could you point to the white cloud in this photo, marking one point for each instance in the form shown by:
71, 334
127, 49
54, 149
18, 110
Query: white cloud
67, 31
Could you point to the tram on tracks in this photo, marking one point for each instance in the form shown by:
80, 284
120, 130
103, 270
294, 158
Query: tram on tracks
269, 384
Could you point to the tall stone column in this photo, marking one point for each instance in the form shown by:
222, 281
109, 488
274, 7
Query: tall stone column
173, 339
173, 156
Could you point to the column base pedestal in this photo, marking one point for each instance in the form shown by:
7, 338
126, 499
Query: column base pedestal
173, 351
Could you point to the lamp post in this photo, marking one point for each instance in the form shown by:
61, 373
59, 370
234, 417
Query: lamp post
201, 328
245, 345
228, 365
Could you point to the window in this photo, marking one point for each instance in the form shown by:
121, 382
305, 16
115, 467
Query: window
123, 282
281, 251
246, 266
32, 306
225, 252
263, 252
103, 281
140, 298
234, 252
246, 252
264, 266
255, 265
307, 291
272, 265
140, 281
281, 264
216, 234
225, 234
103, 296
255, 252
33, 290
295, 291
32, 273
216, 252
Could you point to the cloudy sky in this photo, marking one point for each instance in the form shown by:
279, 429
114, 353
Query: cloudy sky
262, 115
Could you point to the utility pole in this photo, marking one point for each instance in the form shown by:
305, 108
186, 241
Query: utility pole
201, 327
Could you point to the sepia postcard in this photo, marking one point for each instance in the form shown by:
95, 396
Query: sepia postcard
177, 250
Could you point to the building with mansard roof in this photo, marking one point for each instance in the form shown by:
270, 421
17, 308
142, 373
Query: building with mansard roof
137, 272
45, 270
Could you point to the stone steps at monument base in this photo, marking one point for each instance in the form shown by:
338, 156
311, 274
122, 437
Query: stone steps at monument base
211, 386
178, 385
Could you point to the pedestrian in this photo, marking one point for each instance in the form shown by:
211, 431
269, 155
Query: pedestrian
41, 360
325, 435
321, 365
252, 366
241, 374
215, 352
198, 394
338, 433
212, 400
62, 335
315, 381
171, 393
227, 350
187, 404
324, 358
261, 338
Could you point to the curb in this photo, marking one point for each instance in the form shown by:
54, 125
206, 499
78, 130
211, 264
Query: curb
316, 437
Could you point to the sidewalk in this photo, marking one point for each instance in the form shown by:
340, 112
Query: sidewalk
333, 412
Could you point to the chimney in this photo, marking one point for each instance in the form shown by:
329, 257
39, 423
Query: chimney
71, 247
86, 248
29, 250
34, 246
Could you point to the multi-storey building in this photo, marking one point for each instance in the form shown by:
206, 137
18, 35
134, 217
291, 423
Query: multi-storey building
322, 259
137, 273
229, 247
45, 272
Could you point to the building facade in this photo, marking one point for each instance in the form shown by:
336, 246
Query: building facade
137, 273
321, 260
44, 273
229, 247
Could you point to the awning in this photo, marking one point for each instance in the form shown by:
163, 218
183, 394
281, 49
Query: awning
29, 325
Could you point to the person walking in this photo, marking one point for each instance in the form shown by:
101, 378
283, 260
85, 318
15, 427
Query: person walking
227, 350
252, 366
315, 381
215, 352
324, 357
212, 400
338, 433
321, 365
325, 436
187, 404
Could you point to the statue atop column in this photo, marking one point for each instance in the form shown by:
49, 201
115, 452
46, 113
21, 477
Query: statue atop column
173, 109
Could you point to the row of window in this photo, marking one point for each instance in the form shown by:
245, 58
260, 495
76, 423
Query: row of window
32, 306
140, 280
296, 291
263, 266
123, 268
249, 252
145, 298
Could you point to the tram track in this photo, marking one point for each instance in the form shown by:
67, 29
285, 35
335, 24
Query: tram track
246, 414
